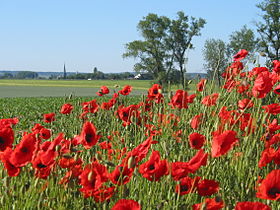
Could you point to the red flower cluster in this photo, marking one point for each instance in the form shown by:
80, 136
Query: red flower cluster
66, 109
126, 90
111, 162
181, 99
103, 91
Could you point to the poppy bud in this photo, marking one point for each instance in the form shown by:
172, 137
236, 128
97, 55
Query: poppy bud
67, 156
110, 164
131, 162
98, 156
89, 176
244, 82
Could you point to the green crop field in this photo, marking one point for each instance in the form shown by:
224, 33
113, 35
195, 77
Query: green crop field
137, 84
56, 88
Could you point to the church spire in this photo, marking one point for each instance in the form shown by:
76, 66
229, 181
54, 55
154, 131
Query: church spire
64, 71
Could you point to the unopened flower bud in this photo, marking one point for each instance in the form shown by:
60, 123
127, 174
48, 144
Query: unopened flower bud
131, 162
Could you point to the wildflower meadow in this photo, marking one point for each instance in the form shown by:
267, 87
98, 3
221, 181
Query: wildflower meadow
212, 149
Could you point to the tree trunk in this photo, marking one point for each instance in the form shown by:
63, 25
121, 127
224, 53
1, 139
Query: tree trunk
182, 76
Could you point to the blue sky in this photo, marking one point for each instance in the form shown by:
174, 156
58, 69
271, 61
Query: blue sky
41, 35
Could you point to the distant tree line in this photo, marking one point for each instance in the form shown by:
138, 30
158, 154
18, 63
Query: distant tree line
20, 75
96, 75
102, 76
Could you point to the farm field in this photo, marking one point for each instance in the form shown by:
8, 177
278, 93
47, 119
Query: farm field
137, 84
56, 88
211, 148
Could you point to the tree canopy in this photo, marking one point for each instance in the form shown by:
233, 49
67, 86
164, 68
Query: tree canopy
269, 28
243, 39
165, 44
216, 58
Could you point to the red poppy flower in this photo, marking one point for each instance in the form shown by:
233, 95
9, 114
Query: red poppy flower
229, 85
270, 186
191, 98
43, 168
105, 145
247, 205
139, 152
124, 204
6, 138
103, 194
266, 157
90, 106
210, 204
47, 153
233, 70
272, 126
50, 117
242, 88
126, 90
66, 109
245, 104
92, 178
179, 170
196, 121
196, 140
67, 162
179, 100
226, 115
276, 66
5, 158
207, 187
210, 100
187, 185
223, 142
262, 85
154, 168
8, 122
272, 108
276, 157
276, 90
45, 133
127, 114
257, 70
182, 169
155, 93
37, 127
103, 91
24, 151
198, 160
121, 175
200, 86
74, 166
106, 106
240, 55
88, 136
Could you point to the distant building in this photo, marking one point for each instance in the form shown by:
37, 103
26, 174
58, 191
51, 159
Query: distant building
137, 76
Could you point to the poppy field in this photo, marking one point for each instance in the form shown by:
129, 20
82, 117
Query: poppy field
209, 149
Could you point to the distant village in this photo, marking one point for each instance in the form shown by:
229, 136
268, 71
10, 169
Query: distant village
95, 75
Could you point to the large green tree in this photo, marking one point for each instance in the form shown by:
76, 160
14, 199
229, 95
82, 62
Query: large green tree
151, 52
269, 28
181, 32
216, 58
243, 39
163, 50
